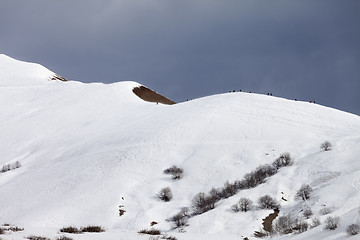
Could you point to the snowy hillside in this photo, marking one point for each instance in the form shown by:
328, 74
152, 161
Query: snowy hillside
85, 149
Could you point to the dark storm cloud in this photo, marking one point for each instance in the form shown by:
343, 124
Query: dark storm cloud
187, 49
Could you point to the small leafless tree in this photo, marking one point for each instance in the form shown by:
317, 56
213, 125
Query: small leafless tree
304, 192
180, 219
326, 146
165, 194
202, 203
245, 204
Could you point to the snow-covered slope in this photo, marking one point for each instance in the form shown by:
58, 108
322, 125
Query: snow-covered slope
85, 149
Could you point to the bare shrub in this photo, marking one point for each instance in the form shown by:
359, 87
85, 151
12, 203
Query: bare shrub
283, 161
287, 224
15, 229
228, 190
32, 237
202, 203
284, 224
63, 238
307, 213
331, 223
326, 146
258, 176
165, 194
325, 211
241, 184
168, 237
8, 167
216, 194
353, 229
92, 229
264, 171
2, 231
177, 173
71, 229
180, 219
304, 192
267, 202
250, 180
301, 226
150, 231
235, 207
315, 222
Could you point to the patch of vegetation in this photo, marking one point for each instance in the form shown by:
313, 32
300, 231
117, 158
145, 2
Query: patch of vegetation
165, 236
315, 222
180, 219
151, 231
326, 146
92, 229
244, 205
177, 173
325, 211
267, 202
8, 167
203, 203
165, 194
168, 237
288, 224
307, 212
353, 229
15, 229
283, 161
71, 229
63, 238
75, 230
37, 238
331, 223
304, 192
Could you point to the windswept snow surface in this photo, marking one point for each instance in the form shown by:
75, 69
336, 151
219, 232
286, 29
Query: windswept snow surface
85, 149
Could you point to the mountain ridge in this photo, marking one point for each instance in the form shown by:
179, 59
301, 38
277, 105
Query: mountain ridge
86, 147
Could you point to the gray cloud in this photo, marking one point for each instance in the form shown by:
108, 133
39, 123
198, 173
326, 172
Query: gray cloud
187, 49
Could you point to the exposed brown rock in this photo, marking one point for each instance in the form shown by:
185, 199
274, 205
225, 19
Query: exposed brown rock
149, 95
58, 77
267, 222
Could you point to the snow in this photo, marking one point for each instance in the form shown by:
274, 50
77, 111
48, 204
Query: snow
84, 147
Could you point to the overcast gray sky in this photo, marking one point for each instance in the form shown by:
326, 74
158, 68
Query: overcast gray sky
304, 49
